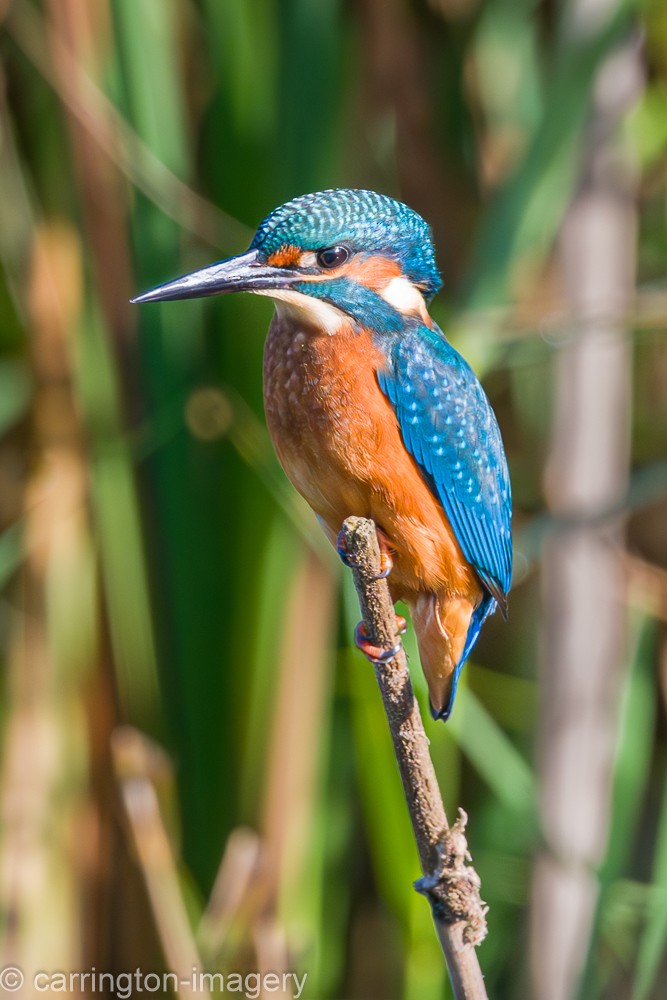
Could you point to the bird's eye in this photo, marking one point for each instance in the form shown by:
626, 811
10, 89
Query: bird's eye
332, 256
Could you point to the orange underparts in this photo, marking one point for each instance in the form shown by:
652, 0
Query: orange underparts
339, 441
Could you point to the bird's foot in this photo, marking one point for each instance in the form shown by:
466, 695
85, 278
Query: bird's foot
375, 653
386, 561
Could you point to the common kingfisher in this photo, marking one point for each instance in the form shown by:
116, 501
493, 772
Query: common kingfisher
373, 412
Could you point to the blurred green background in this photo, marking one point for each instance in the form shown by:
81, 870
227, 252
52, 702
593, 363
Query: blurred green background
196, 768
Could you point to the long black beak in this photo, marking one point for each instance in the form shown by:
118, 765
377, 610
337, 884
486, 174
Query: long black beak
245, 273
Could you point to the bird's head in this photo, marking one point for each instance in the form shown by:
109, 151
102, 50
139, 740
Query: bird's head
331, 256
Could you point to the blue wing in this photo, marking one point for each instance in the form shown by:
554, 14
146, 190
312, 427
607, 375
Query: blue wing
449, 428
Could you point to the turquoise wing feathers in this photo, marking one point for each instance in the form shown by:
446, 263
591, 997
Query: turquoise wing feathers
449, 428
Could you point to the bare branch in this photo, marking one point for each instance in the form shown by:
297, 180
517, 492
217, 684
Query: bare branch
450, 884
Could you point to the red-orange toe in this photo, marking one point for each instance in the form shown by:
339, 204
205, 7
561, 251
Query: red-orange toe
372, 652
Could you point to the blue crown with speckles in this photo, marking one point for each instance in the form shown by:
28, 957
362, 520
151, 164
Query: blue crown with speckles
364, 221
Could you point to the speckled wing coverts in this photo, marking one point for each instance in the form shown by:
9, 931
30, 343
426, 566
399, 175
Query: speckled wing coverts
448, 426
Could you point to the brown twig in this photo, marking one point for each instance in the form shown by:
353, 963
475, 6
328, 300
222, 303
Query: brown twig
450, 885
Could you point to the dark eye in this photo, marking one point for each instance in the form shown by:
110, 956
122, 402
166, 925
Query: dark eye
332, 256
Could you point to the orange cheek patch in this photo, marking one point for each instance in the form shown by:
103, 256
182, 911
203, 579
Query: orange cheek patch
373, 272
286, 256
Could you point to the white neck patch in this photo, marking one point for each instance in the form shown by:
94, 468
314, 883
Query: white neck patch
404, 296
306, 307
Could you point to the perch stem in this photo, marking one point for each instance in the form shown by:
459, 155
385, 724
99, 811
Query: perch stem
449, 883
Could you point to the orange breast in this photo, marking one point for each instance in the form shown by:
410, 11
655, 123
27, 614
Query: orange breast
339, 442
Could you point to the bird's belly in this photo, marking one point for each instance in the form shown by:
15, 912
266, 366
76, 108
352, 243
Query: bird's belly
321, 430
338, 440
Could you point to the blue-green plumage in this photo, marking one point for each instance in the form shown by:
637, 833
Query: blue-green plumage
368, 309
369, 223
449, 427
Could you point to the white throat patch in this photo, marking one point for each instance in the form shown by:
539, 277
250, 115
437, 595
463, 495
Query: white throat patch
321, 314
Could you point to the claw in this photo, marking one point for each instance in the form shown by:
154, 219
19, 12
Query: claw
373, 653
401, 625
341, 548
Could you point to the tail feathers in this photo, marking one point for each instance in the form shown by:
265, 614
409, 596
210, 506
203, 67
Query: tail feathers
486, 607
447, 629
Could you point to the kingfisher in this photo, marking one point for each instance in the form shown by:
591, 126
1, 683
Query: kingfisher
373, 412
